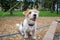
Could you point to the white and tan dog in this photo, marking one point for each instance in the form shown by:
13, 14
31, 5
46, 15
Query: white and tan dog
29, 23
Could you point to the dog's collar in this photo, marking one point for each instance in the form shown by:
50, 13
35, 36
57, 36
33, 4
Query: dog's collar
31, 24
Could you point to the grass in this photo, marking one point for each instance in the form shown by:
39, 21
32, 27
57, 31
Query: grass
20, 13
7, 14
49, 14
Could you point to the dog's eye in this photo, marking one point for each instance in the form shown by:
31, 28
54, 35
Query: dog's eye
29, 12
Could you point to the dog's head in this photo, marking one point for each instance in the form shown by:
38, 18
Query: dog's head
31, 15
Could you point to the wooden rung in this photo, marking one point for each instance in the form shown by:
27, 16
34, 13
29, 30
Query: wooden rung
50, 33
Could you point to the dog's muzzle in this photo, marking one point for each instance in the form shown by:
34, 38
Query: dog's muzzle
34, 15
34, 18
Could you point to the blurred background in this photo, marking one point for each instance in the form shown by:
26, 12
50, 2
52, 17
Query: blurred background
16, 7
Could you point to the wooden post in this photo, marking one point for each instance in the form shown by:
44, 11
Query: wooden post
50, 33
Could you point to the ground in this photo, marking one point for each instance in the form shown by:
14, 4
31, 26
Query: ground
8, 26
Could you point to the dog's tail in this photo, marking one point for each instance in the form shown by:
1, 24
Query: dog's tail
19, 26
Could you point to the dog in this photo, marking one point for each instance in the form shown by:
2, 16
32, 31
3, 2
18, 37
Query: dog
29, 24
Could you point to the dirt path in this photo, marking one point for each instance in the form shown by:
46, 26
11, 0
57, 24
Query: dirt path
7, 26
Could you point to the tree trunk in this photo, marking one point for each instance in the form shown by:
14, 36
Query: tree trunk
11, 13
51, 6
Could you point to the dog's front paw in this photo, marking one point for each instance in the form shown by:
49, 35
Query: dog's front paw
22, 33
31, 33
34, 37
25, 36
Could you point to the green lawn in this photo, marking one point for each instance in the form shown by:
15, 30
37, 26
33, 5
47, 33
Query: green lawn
49, 14
20, 13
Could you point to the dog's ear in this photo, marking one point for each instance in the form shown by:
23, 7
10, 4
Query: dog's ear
26, 12
35, 10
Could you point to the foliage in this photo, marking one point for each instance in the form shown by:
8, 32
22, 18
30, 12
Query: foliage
47, 4
50, 3
6, 4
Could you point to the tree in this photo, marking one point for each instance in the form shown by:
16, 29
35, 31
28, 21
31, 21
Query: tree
5, 4
50, 4
53, 2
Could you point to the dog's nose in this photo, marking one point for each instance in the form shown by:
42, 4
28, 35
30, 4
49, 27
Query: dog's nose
35, 15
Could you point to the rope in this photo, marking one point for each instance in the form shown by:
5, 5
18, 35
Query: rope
56, 36
9, 35
41, 27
